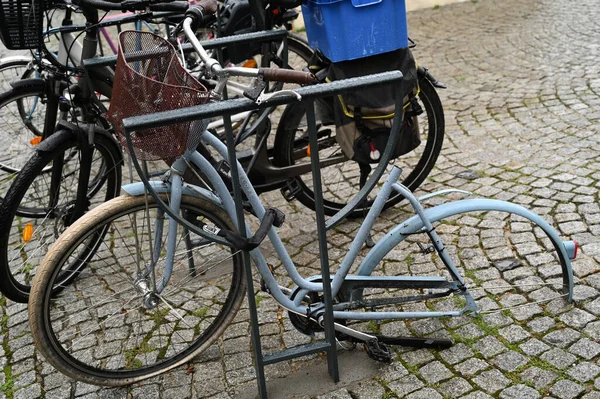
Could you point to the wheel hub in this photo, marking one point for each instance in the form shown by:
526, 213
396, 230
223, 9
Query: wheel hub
149, 299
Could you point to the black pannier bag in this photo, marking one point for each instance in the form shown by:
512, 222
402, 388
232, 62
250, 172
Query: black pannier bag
364, 119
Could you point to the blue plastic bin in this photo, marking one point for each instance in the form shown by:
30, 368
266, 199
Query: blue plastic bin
350, 29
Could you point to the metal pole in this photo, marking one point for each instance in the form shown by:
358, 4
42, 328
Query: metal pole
332, 360
241, 223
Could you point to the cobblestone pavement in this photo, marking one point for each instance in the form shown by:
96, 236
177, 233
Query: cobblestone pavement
522, 113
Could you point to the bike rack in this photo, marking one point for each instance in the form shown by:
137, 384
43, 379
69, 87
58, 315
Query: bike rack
309, 94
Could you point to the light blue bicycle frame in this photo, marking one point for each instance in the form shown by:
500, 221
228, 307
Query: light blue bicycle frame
342, 283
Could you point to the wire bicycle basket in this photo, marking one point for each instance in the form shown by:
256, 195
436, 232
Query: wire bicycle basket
22, 23
149, 78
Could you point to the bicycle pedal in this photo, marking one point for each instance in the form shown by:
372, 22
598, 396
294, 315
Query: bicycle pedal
290, 190
379, 351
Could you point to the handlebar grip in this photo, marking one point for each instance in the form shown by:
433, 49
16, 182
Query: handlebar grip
287, 75
209, 6
198, 11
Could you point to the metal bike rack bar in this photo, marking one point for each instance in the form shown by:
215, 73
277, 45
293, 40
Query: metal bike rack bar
309, 94
271, 35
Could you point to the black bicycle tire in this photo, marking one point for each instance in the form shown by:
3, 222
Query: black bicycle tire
432, 105
10, 207
42, 294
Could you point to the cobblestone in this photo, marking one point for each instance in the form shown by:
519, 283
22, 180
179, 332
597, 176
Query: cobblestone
539, 378
491, 381
565, 389
522, 113
519, 392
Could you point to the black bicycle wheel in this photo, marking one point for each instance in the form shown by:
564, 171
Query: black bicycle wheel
341, 179
31, 218
104, 328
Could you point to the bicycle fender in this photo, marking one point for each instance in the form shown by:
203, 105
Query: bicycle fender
423, 73
437, 213
50, 144
33, 82
12, 58
137, 189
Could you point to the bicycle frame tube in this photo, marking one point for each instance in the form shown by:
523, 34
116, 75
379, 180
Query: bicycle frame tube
69, 49
360, 238
288, 264
109, 39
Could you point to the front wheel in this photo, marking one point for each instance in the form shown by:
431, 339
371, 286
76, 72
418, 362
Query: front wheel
341, 179
102, 329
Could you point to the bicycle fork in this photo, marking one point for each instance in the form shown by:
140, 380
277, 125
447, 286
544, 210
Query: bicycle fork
146, 284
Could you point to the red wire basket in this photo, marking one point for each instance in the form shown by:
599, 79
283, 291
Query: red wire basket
150, 78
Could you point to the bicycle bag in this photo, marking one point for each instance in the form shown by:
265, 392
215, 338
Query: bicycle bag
364, 119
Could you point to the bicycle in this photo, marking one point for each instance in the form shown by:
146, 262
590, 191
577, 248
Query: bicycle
156, 275
23, 111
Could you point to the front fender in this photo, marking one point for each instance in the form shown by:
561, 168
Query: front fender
37, 83
135, 189
437, 213
50, 144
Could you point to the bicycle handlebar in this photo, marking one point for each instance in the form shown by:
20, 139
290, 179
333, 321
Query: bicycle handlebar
134, 5
195, 14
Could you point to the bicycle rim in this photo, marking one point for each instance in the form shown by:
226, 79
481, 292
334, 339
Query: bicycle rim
14, 70
22, 114
99, 329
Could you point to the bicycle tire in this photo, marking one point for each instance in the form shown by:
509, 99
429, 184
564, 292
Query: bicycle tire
139, 358
291, 139
29, 225
13, 69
